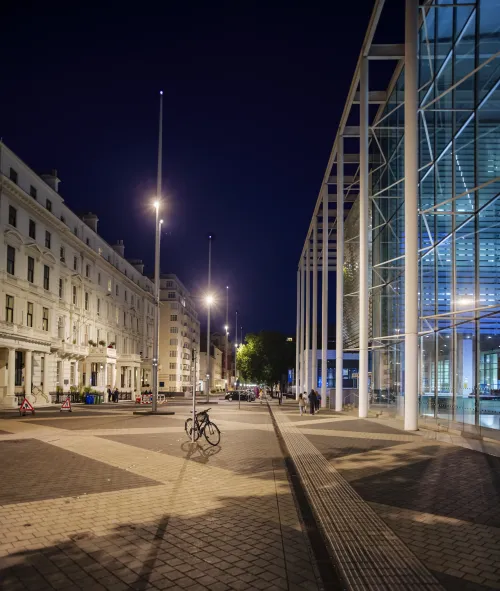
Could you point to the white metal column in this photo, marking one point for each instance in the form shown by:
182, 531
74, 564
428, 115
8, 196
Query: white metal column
314, 354
297, 341
363, 241
339, 345
28, 373
307, 347
411, 214
324, 299
302, 311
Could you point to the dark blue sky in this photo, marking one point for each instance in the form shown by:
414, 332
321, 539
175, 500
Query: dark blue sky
253, 95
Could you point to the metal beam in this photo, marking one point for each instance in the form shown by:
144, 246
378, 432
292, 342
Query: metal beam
375, 97
391, 51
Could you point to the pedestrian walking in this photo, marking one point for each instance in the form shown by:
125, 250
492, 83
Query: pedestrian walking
312, 401
318, 400
302, 405
280, 398
110, 394
115, 395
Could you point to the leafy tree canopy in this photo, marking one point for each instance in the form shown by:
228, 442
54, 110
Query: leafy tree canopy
265, 357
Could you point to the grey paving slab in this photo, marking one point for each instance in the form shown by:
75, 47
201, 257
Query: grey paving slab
33, 470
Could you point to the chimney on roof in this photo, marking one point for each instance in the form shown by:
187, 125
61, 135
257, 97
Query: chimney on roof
91, 220
137, 264
119, 247
52, 179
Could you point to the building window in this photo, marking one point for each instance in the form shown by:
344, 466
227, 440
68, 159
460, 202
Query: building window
171, 377
11, 260
174, 330
75, 263
13, 175
98, 278
98, 307
87, 270
171, 295
45, 319
12, 216
46, 277
117, 291
125, 295
48, 205
75, 299
33, 191
173, 365
75, 231
31, 269
124, 319
47, 239
174, 342
29, 315
109, 285
63, 219
86, 300
173, 317
32, 230
9, 308
60, 289
170, 284
173, 353
87, 241
62, 254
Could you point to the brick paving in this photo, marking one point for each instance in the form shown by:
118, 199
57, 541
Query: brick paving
89, 506
441, 500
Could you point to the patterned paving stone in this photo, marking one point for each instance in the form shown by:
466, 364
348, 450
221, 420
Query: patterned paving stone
361, 426
33, 470
223, 524
336, 447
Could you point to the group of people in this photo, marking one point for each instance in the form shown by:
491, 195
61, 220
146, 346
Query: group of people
113, 395
314, 400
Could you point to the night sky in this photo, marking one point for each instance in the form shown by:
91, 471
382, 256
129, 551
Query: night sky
253, 93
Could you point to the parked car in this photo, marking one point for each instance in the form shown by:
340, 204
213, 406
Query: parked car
240, 395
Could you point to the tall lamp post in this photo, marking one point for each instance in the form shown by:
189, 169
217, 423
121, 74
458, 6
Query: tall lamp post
226, 328
158, 222
209, 301
236, 348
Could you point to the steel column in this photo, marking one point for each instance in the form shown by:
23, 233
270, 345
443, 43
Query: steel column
339, 345
302, 318
324, 299
411, 213
314, 347
297, 341
363, 241
307, 365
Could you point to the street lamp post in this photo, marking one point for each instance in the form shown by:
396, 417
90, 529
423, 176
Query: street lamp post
226, 328
209, 302
235, 362
156, 335
236, 341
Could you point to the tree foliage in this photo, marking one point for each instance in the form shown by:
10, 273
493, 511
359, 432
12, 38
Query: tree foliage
265, 357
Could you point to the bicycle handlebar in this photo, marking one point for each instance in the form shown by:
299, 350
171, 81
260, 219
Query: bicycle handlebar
203, 411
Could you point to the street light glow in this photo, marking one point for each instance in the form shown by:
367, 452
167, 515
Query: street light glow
156, 204
161, 221
226, 327
209, 299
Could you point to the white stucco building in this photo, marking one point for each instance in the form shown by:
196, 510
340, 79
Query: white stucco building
179, 336
74, 312
217, 381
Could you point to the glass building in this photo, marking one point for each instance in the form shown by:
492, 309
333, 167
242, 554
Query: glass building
451, 354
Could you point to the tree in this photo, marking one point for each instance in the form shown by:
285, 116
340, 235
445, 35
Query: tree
265, 357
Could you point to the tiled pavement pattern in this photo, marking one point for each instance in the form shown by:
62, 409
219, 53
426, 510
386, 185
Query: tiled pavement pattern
366, 550
442, 500
135, 507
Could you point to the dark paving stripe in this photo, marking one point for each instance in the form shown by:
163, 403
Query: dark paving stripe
118, 421
231, 454
35, 471
2, 432
359, 426
455, 482
337, 447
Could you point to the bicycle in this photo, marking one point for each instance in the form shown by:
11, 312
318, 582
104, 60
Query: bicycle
202, 426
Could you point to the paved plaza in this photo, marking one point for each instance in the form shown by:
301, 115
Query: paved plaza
105, 499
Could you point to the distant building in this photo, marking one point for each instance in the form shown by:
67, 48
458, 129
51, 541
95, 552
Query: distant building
179, 336
216, 368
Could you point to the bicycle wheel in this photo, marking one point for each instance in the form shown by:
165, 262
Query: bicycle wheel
189, 429
212, 433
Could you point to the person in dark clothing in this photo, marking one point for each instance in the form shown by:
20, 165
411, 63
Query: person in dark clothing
110, 394
312, 401
280, 398
318, 400
115, 395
